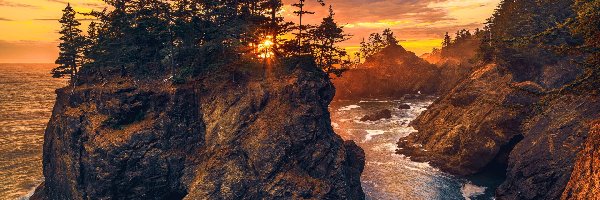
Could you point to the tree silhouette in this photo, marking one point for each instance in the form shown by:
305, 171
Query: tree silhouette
447, 40
301, 36
326, 36
377, 42
69, 57
183, 38
389, 38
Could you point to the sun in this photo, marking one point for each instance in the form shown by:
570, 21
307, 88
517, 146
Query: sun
265, 48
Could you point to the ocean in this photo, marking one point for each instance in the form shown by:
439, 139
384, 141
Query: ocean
389, 176
26, 100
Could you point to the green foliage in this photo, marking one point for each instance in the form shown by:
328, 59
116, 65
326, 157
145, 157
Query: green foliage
587, 26
69, 58
184, 38
527, 34
325, 38
376, 43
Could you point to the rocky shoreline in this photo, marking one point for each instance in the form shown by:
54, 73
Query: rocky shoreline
518, 127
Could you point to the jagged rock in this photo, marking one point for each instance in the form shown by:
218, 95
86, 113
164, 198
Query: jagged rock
540, 165
379, 115
492, 122
465, 130
206, 139
585, 179
404, 107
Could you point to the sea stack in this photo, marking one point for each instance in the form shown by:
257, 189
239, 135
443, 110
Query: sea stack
211, 138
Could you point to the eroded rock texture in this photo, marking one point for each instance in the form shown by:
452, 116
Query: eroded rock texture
585, 179
525, 127
473, 125
209, 139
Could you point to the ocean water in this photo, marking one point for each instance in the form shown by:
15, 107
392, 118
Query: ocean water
26, 99
389, 176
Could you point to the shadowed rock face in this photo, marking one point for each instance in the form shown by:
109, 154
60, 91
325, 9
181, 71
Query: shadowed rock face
465, 130
210, 139
494, 120
540, 165
585, 179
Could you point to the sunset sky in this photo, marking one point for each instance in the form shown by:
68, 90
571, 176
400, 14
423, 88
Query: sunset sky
28, 28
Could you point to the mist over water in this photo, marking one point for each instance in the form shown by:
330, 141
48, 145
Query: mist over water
389, 176
26, 100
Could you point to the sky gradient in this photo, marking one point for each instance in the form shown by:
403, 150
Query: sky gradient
29, 28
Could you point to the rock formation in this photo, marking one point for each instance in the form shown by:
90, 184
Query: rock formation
379, 115
585, 179
529, 129
206, 139
392, 72
404, 107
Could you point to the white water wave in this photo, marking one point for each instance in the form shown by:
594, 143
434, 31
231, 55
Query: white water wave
470, 190
371, 133
347, 108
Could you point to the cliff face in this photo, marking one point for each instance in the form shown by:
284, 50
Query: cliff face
585, 179
495, 121
209, 139
540, 165
483, 111
392, 72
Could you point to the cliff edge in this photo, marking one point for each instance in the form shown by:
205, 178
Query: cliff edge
211, 138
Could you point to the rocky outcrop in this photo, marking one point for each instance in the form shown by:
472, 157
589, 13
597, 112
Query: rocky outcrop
404, 107
379, 115
484, 112
493, 121
540, 165
585, 179
455, 62
207, 139
392, 72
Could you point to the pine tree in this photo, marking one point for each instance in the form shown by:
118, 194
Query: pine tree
70, 47
389, 38
302, 35
90, 43
326, 36
447, 40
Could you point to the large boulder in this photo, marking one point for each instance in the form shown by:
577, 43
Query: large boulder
379, 115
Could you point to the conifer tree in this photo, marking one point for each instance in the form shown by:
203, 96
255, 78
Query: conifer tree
302, 35
326, 36
90, 43
447, 40
69, 57
389, 37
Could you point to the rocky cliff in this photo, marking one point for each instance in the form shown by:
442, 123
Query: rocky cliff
207, 139
585, 179
523, 128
